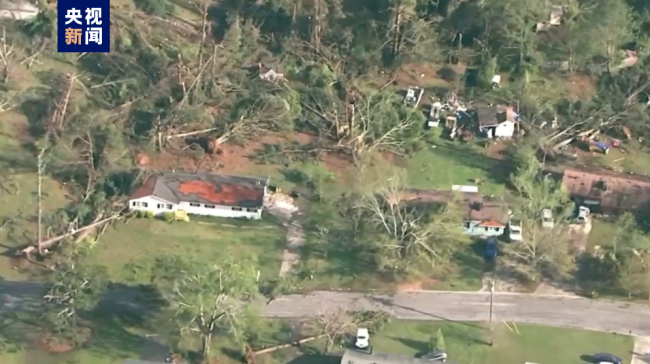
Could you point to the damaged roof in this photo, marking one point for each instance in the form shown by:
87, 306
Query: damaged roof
487, 116
618, 191
205, 188
489, 211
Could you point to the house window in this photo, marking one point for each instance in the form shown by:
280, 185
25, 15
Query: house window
135, 204
236, 208
209, 206
169, 207
498, 230
195, 204
251, 210
144, 204
466, 225
160, 206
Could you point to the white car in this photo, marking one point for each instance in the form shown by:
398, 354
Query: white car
583, 214
363, 339
547, 219
515, 230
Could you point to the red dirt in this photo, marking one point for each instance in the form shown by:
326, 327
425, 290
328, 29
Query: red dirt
233, 158
53, 346
579, 86
417, 285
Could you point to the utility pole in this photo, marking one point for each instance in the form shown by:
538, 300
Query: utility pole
40, 167
493, 282
491, 309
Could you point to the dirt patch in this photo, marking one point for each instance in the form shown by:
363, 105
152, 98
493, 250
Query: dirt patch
579, 86
56, 346
231, 158
427, 75
417, 285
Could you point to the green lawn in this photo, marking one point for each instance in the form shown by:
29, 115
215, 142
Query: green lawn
127, 250
447, 163
467, 343
602, 233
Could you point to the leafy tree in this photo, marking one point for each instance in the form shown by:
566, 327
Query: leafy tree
438, 341
544, 251
206, 297
77, 286
633, 274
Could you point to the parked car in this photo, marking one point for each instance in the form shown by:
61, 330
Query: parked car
436, 355
363, 339
607, 358
413, 96
491, 247
515, 228
583, 214
433, 121
547, 219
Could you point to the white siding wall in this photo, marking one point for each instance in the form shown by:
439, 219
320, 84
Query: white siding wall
159, 207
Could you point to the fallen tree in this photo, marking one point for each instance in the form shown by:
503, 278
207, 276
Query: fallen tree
50, 242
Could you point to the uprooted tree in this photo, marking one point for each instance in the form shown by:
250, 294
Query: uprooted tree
204, 298
411, 237
544, 250
339, 325
77, 287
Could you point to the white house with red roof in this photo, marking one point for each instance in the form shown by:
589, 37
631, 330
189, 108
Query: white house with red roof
200, 193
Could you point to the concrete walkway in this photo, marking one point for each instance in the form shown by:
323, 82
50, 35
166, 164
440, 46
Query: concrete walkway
281, 206
641, 354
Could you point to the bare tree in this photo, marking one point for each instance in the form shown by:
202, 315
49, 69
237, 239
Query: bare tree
336, 325
41, 164
410, 234
545, 249
6, 56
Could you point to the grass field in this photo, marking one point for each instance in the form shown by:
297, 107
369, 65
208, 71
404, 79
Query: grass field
127, 250
467, 343
446, 163
602, 233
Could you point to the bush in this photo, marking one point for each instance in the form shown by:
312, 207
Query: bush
149, 214
169, 216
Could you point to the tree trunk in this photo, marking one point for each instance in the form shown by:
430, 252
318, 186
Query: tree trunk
205, 345
397, 24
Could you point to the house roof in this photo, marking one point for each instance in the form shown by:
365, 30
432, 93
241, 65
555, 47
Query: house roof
360, 357
619, 191
489, 211
201, 187
487, 116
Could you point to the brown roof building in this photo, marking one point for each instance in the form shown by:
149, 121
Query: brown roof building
486, 211
608, 192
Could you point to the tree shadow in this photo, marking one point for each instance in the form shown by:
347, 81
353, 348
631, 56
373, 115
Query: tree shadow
390, 303
123, 308
420, 346
588, 358
316, 359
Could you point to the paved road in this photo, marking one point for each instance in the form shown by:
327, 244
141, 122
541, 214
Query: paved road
558, 311
619, 317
